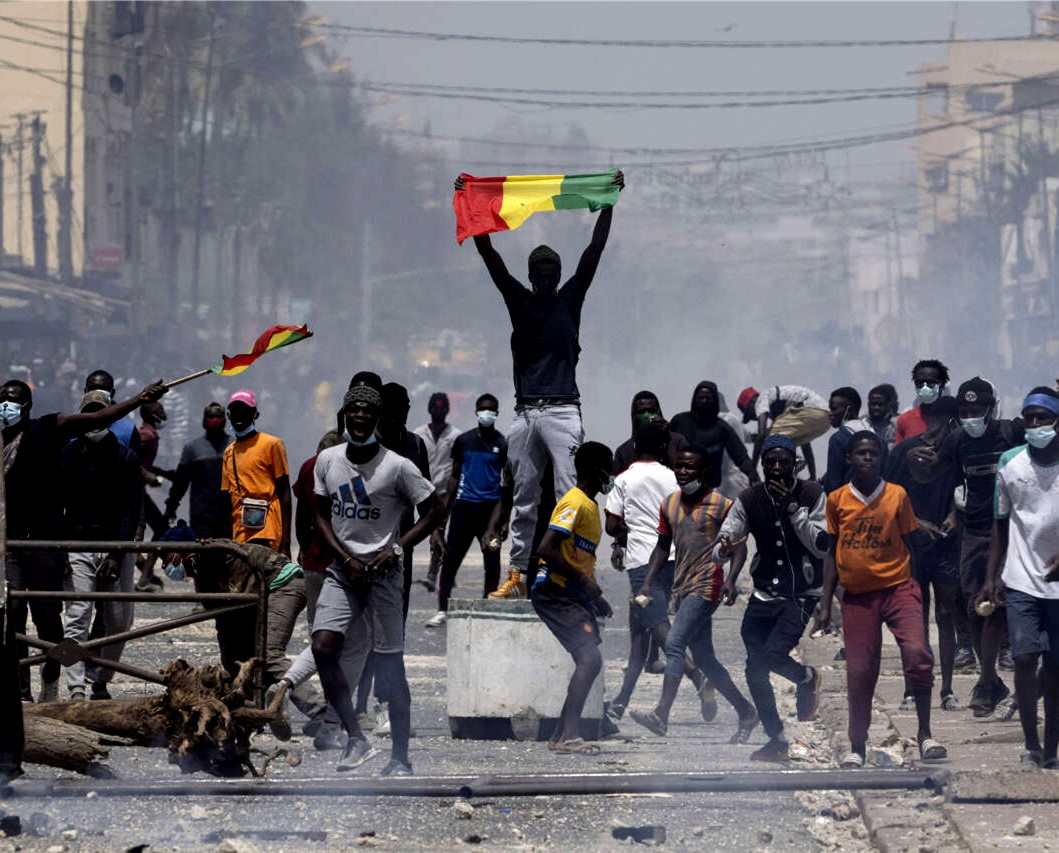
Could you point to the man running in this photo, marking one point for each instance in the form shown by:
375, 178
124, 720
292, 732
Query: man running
545, 348
438, 436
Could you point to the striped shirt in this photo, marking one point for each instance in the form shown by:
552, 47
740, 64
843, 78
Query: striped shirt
694, 527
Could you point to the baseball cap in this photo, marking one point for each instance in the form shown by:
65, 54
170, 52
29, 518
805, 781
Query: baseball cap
94, 398
244, 396
977, 390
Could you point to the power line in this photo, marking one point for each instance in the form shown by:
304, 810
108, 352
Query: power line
661, 43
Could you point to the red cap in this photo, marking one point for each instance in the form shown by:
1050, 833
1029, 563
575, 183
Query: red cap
745, 396
244, 395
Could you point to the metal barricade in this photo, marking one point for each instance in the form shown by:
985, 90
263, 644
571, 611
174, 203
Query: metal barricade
70, 651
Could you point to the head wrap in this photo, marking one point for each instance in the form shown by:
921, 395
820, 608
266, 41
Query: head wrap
745, 396
362, 394
1044, 401
783, 442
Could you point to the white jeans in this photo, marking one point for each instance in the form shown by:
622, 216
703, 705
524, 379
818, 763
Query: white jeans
117, 615
537, 435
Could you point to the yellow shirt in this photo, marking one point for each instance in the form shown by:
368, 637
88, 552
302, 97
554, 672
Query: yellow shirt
577, 516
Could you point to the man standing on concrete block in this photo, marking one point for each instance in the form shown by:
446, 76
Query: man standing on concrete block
565, 593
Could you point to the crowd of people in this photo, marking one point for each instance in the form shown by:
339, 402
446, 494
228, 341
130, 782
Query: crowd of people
945, 501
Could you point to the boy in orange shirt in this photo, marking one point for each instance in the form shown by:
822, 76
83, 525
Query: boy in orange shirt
871, 522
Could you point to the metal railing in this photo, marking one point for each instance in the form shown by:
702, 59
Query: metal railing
70, 651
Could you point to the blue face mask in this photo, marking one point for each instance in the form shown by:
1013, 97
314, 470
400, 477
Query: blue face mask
243, 433
928, 393
370, 440
486, 418
691, 488
607, 486
974, 427
10, 413
1040, 437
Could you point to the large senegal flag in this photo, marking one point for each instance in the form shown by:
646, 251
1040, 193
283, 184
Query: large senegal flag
270, 339
485, 205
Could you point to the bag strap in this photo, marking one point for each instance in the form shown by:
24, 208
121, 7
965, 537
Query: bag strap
235, 471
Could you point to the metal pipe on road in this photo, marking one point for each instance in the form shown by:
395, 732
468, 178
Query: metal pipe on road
503, 786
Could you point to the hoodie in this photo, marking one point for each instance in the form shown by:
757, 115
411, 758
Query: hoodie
625, 454
707, 428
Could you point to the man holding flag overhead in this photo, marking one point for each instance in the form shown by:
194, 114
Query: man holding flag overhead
546, 322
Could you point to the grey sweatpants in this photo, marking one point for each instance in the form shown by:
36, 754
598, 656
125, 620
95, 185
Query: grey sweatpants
537, 434
117, 615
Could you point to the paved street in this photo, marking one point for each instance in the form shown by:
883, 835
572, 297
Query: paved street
737, 822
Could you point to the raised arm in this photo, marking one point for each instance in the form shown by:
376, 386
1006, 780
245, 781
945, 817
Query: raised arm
506, 283
590, 257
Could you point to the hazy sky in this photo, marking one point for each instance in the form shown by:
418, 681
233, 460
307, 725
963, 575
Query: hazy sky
380, 59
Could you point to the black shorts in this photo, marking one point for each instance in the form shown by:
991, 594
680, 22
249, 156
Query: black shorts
568, 618
974, 560
938, 563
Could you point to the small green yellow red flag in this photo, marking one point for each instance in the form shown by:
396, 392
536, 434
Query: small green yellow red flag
485, 205
272, 338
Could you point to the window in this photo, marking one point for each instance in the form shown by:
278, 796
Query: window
936, 99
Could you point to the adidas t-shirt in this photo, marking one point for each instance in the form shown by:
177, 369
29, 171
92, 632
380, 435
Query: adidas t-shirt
368, 499
1027, 494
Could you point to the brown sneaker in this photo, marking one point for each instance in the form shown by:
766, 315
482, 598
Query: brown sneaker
513, 587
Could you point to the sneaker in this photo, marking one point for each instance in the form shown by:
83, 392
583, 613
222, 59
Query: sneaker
365, 721
77, 694
396, 767
613, 710
949, 702
280, 725
513, 587
852, 761
964, 658
356, 753
49, 691
1050, 764
650, 721
840, 655
382, 720
807, 696
775, 750
707, 702
100, 691
1031, 760
908, 703
438, 620
1005, 710
328, 737
983, 700
430, 582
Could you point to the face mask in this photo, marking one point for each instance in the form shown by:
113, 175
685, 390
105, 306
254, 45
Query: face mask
928, 393
607, 486
160, 426
10, 413
1040, 437
243, 433
974, 427
692, 487
486, 418
175, 572
646, 417
371, 439
213, 424
96, 435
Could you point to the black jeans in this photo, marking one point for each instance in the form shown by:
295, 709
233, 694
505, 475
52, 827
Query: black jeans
468, 522
771, 629
44, 571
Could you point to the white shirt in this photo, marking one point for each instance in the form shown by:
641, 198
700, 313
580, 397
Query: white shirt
368, 500
1028, 495
637, 500
439, 453
791, 395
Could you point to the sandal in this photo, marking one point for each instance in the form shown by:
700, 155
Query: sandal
931, 750
576, 746
650, 721
949, 702
746, 726
852, 761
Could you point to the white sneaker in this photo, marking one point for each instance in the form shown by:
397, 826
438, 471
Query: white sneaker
382, 720
49, 691
437, 620
77, 694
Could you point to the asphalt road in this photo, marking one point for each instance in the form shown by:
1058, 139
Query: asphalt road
731, 821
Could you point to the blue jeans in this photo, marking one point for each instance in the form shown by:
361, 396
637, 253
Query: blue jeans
693, 628
538, 434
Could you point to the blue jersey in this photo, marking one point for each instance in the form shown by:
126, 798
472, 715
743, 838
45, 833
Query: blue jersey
481, 463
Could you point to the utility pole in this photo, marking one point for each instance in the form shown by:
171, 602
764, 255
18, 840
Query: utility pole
65, 246
19, 145
1, 200
199, 200
36, 191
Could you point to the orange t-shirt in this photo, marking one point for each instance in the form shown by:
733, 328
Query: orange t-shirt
870, 553
250, 469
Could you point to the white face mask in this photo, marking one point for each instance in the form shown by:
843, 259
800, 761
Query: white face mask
370, 440
928, 393
692, 487
97, 435
974, 427
250, 430
486, 418
1040, 437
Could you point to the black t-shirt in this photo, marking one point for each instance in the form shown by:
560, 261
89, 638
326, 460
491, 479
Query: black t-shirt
716, 438
975, 460
34, 483
545, 345
931, 501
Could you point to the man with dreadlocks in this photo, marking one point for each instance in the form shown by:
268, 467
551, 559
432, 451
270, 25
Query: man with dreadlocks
545, 332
